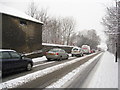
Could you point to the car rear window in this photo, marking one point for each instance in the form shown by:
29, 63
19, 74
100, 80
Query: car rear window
54, 50
75, 49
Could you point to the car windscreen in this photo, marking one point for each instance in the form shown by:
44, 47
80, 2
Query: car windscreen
14, 55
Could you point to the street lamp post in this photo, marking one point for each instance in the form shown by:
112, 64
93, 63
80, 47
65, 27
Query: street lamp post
117, 16
116, 53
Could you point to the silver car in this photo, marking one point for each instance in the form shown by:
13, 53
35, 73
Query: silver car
56, 54
76, 51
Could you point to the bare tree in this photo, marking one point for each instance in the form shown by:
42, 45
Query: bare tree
68, 25
90, 38
32, 10
95, 39
73, 39
55, 30
110, 21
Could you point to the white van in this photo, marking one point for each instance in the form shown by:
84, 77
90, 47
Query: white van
76, 51
86, 49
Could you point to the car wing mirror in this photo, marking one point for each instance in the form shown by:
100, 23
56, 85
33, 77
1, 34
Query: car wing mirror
22, 56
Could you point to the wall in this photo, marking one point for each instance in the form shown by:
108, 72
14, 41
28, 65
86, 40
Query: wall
46, 48
20, 34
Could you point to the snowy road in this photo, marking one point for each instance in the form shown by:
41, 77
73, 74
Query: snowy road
46, 79
80, 73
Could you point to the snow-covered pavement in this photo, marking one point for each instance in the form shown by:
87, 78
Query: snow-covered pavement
105, 73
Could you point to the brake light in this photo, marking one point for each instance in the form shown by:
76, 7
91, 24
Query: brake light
84, 48
57, 53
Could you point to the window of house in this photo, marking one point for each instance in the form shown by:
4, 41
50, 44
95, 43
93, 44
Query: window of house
23, 22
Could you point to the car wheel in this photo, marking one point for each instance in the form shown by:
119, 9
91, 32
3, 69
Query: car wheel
60, 58
67, 56
29, 67
81, 55
48, 59
72, 55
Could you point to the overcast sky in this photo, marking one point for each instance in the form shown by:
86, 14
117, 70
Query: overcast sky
87, 13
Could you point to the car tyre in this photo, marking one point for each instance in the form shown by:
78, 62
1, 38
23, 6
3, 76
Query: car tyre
60, 59
67, 57
29, 67
72, 55
48, 59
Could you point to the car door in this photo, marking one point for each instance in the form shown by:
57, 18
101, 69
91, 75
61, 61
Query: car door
66, 54
63, 54
6, 61
17, 61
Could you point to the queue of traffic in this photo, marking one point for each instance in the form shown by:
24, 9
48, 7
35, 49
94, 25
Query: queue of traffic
12, 61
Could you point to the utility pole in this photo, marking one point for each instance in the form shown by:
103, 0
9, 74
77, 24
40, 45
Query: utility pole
116, 53
116, 35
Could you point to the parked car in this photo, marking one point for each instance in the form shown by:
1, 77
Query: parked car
93, 51
76, 51
86, 49
12, 61
57, 54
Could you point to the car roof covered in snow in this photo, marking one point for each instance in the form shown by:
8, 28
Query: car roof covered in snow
1, 50
13, 12
47, 44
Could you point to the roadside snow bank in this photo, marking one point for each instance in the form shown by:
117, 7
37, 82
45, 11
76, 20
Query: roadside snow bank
14, 83
39, 59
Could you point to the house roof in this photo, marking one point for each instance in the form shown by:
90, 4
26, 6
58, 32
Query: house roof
13, 12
